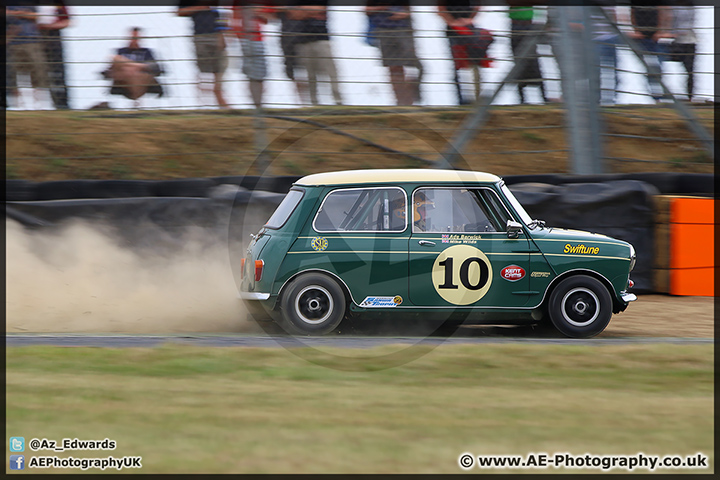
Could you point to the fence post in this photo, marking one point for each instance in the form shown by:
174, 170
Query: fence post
575, 57
259, 128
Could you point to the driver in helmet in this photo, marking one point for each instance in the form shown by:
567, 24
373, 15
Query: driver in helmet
421, 205
421, 209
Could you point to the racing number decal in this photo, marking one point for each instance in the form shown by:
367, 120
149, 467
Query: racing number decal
462, 274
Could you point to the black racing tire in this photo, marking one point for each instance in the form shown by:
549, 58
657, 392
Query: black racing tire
312, 304
580, 307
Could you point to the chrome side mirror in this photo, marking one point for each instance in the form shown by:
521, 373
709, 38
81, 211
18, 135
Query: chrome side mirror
513, 229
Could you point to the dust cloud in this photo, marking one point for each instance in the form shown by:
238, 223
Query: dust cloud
79, 279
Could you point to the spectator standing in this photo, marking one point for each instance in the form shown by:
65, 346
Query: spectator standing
394, 32
288, 38
251, 42
312, 45
25, 52
521, 28
683, 48
51, 23
209, 41
11, 91
134, 70
459, 17
606, 40
650, 23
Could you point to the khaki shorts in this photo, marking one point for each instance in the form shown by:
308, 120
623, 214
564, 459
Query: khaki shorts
210, 53
29, 58
316, 57
397, 47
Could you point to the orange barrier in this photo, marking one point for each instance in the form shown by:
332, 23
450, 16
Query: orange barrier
692, 246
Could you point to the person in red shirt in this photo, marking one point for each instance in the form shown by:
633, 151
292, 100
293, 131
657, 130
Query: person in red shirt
459, 17
247, 21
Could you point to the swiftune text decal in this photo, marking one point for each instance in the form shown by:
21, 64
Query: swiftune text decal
582, 249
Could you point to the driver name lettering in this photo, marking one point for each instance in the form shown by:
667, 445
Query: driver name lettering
581, 249
454, 238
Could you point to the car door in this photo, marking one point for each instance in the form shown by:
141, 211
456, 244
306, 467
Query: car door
459, 252
361, 235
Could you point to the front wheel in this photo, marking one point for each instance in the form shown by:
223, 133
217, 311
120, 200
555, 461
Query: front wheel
580, 307
312, 304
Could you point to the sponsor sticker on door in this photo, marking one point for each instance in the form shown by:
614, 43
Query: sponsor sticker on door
381, 302
512, 273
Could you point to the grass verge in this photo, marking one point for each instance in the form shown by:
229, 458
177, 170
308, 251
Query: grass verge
243, 410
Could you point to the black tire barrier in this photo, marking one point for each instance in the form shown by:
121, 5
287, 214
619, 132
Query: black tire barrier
20, 190
185, 187
693, 184
78, 189
283, 183
250, 211
279, 184
67, 189
545, 178
176, 211
125, 188
26, 191
232, 180
145, 224
696, 184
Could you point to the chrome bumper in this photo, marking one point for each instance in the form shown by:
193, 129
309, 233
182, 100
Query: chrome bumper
254, 296
628, 297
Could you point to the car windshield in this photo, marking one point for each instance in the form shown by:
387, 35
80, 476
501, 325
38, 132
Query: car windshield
516, 205
285, 209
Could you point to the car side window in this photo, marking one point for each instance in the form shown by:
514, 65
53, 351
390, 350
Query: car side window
456, 210
362, 209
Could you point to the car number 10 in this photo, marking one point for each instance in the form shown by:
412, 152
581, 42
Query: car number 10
462, 274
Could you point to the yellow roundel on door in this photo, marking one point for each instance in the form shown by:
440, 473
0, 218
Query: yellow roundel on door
462, 274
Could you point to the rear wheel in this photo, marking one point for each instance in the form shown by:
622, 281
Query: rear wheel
312, 304
580, 307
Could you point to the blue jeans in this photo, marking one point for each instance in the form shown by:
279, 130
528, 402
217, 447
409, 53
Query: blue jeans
607, 71
653, 54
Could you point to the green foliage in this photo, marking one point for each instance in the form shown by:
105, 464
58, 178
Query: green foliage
11, 172
533, 137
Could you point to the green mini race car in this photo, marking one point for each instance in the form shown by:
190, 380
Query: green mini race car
445, 245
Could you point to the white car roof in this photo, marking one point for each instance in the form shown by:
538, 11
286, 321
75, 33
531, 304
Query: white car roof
396, 175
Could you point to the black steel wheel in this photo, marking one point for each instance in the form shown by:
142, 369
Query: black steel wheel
312, 304
580, 306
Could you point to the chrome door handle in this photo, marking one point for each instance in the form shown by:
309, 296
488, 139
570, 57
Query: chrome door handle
426, 243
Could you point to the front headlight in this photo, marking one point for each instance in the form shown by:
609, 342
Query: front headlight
633, 257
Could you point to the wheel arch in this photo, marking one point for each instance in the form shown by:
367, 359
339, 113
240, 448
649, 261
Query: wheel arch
573, 273
343, 285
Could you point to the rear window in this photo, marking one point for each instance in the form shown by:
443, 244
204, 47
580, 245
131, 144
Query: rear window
285, 209
380, 209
